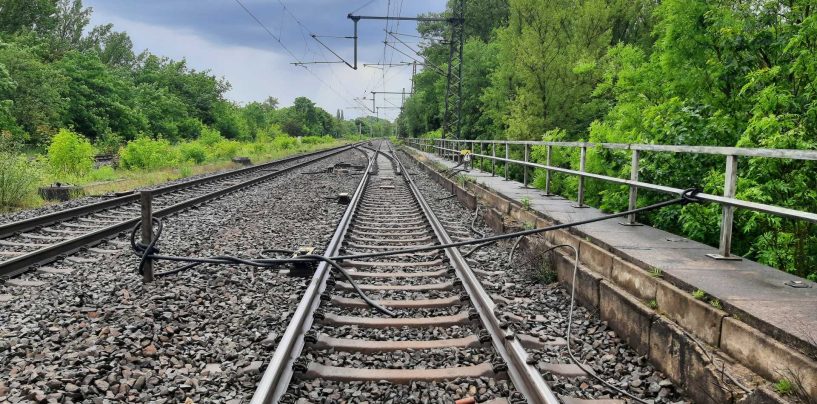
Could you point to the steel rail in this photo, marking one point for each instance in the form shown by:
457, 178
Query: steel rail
279, 372
23, 263
10, 229
525, 377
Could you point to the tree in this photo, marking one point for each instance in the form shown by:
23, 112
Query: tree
32, 15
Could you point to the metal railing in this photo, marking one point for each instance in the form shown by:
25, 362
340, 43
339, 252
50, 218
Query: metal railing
450, 149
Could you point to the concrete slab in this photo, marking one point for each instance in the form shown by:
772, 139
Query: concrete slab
757, 293
24, 283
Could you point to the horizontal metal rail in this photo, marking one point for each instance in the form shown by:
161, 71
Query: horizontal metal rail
23, 263
10, 229
451, 148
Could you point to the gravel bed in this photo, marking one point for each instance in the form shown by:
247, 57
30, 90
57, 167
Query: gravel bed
398, 334
204, 334
421, 359
401, 313
323, 391
51, 207
399, 294
545, 310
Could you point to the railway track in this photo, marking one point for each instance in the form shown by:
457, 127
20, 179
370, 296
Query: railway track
445, 332
32, 242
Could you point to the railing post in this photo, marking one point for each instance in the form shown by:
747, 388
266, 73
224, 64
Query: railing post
727, 211
582, 164
633, 189
146, 198
493, 161
507, 157
525, 171
547, 170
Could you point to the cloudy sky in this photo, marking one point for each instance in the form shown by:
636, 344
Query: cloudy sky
221, 36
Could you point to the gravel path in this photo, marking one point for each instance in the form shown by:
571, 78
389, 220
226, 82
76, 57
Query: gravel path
545, 308
206, 334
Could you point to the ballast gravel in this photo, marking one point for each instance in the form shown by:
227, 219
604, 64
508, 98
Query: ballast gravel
542, 304
99, 335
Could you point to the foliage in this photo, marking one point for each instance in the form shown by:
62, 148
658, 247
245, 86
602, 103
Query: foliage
193, 152
146, 153
784, 387
698, 294
70, 154
695, 72
19, 178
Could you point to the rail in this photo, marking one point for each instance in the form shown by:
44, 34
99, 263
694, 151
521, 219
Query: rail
450, 149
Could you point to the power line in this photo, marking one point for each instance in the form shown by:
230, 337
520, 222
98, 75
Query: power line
281, 43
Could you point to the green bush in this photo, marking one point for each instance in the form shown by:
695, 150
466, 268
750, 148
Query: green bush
226, 149
109, 143
284, 143
146, 153
311, 140
193, 152
70, 154
210, 136
19, 179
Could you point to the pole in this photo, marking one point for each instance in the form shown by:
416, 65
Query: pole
146, 198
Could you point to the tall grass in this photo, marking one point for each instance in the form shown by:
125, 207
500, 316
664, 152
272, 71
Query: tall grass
19, 179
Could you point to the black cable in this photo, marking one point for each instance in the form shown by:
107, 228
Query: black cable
581, 365
687, 196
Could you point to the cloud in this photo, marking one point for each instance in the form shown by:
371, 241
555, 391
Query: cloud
218, 35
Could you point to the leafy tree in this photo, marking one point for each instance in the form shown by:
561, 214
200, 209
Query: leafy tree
34, 15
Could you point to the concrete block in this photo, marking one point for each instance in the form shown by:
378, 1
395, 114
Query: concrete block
767, 357
494, 220
666, 345
595, 258
466, 199
700, 318
587, 282
705, 382
634, 280
557, 237
627, 316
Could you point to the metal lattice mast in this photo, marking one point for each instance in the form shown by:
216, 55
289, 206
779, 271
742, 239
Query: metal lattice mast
452, 119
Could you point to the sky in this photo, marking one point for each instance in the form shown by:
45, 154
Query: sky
220, 36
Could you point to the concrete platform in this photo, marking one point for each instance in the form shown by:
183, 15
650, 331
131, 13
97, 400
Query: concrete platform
755, 293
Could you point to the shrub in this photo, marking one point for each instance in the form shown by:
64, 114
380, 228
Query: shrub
226, 149
316, 139
193, 152
70, 154
210, 136
146, 153
19, 178
284, 143
109, 143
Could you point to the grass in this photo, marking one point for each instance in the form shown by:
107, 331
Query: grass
107, 180
656, 272
716, 304
525, 202
545, 275
653, 304
699, 294
784, 387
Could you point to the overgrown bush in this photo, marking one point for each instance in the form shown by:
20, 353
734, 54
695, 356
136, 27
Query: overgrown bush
210, 136
109, 143
193, 152
316, 139
70, 154
19, 178
284, 143
226, 149
146, 153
